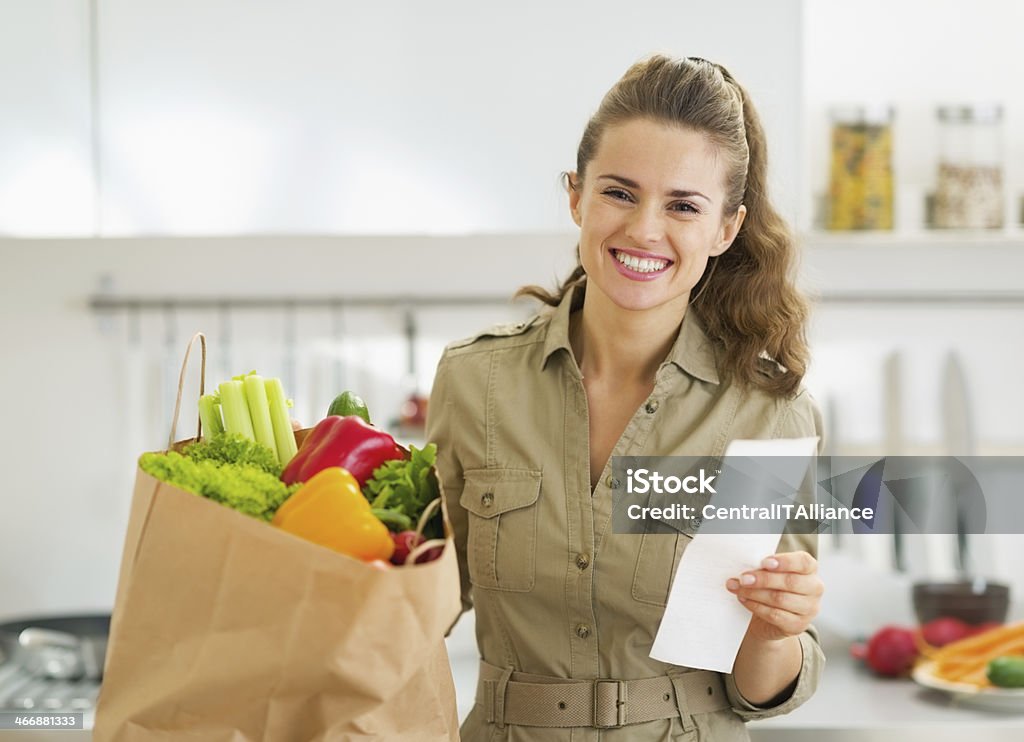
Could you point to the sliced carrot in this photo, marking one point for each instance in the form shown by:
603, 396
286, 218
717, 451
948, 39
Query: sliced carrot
966, 664
923, 647
981, 643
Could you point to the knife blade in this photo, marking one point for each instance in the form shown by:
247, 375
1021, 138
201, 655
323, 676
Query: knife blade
958, 435
894, 444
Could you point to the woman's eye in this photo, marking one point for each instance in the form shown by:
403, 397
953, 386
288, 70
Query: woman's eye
685, 207
619, 194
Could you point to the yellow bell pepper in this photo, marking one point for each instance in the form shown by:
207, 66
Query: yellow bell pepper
330, 510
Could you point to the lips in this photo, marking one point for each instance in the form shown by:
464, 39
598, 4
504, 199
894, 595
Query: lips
640, 254
639, 265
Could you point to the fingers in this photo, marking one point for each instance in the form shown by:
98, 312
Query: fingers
792, 561
790, 623
790, 582
786, 592
795, 572
800, 605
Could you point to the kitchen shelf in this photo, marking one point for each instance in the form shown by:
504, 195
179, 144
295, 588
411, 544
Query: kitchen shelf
915, 268
1012, 238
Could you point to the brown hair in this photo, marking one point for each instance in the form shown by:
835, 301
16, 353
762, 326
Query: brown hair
747, 298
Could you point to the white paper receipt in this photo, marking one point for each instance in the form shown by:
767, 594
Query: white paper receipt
704, 624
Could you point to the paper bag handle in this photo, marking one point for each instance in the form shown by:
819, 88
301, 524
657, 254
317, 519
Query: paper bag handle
426, 545
181, 385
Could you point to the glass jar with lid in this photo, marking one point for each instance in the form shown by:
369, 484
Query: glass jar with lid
861, 180
969, 192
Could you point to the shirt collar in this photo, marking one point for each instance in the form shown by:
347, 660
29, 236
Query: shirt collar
693, 352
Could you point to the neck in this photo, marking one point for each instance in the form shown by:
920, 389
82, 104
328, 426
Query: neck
622, 346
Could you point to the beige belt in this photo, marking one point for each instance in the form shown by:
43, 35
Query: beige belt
509, 697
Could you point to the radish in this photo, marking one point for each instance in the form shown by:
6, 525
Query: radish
944, 630
982, 628
892, 651
405, 542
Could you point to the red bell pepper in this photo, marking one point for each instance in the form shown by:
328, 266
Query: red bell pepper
349, 442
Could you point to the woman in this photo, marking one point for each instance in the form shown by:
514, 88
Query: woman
678, 331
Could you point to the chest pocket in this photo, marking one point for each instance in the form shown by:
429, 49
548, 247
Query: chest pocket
663, 543
502, 543
656, 564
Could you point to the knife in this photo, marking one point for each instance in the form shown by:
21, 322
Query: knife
894, 446
959, 440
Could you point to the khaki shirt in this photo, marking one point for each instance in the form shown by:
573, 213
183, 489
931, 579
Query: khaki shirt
557, 593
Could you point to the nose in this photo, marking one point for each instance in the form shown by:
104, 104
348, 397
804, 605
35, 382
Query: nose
646, 225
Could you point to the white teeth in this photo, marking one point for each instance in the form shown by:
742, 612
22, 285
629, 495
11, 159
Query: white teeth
641, 265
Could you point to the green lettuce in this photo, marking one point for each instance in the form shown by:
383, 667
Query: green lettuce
228, 469
404, 487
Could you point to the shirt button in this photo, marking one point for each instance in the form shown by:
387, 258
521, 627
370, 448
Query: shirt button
652, 407
582, 631
582, 561
696, 521
612, 482
487, 499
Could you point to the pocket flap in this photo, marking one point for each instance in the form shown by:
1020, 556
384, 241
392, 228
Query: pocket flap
491, 492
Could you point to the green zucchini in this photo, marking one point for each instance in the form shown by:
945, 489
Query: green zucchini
1007, 672
349, 403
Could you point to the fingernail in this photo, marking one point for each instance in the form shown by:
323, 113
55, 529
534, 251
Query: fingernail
747, 579
733, 585
770, 563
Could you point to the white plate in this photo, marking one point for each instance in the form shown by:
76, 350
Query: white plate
1004, 699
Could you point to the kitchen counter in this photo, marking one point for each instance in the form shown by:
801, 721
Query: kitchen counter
851, 705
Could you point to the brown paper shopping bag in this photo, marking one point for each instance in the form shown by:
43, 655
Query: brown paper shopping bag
227, 629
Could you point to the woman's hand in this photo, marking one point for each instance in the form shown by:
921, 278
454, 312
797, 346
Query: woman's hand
783, 596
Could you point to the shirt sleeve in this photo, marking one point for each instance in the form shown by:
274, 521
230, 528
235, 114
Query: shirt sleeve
802, 419
811, 665
441, 429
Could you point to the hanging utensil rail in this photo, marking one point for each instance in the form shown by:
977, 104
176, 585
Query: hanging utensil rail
112, 303
139, 303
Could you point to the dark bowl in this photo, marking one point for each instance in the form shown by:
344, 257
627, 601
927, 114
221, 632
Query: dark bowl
960, 600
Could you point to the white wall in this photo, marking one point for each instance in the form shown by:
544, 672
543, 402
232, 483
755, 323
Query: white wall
227, 117
46, 168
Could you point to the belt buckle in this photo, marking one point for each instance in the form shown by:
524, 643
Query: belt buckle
620, 704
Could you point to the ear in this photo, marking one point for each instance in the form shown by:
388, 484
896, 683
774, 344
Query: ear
574, 185
730, 228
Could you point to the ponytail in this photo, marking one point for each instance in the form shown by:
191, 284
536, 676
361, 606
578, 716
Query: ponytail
748, 300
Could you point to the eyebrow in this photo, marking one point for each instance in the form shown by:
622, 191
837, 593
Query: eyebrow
674, 194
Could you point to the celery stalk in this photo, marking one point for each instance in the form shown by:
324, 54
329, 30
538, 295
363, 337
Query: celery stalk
282, 421
236, 409
209, 415
259, 411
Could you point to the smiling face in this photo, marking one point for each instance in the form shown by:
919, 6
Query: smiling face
650, 214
